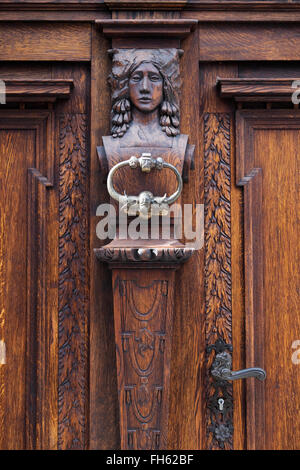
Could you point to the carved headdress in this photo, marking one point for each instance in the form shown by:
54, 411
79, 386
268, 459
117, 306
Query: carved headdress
124, 62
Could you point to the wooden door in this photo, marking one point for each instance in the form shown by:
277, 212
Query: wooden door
237, 294
256, 146
24, 311
42, 173
268, 169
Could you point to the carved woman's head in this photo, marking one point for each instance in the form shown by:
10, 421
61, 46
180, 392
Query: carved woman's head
147, 80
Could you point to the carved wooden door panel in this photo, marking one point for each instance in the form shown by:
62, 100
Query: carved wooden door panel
225, 120
43, 252
268, 169
252, 259
25, 186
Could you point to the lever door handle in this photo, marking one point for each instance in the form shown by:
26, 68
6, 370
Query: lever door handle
221, 369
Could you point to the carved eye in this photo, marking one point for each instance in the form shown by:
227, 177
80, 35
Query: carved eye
136, 77
154, 77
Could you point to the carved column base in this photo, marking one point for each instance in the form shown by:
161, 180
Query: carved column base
143, 286
126, 253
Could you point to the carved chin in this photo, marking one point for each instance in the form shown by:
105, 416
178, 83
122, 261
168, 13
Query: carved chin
146, 107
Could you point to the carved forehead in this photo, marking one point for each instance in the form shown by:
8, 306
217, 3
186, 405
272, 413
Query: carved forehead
146, 67
124, 61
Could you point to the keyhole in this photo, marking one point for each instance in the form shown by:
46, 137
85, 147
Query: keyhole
221, 403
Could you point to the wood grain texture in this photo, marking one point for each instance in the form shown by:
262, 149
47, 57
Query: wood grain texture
210, 102
28, 393
73, 279
37, 90
13, 314
145, 5
210, 11
185, 422
271, 271
104, 406
41, 406
222, 38
213, 10
243, 12
217, 270
144, 419
234, 42
155, 31
257, 89
36, 41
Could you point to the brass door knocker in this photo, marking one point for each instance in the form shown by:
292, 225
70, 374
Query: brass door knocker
145, 204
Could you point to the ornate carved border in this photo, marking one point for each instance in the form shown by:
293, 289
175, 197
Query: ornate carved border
217, 274
146, 255
73, 273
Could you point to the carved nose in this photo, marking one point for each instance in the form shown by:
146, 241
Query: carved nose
145, 85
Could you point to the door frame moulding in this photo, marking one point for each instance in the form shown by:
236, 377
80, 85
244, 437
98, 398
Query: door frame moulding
40, 90
38, 350
257, 89
145, 33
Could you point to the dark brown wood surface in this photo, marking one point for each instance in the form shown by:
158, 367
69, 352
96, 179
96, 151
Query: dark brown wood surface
37, 90
39, 41
270, 178
258, 89
13, 371
244, 42
25, 316
143, 312
45, 391
58, 369
218, 306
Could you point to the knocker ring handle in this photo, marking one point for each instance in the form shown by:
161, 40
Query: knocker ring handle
146, 164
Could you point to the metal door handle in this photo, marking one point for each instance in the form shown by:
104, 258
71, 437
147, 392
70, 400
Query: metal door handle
221, 369
145, 202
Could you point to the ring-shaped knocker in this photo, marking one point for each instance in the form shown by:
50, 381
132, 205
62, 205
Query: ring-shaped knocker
145, 204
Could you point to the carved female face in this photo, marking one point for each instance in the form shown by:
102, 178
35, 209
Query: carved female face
146, 87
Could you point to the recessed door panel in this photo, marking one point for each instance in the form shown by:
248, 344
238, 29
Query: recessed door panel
268, 168
17, 153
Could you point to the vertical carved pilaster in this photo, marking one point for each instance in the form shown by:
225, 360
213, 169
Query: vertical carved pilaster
143, 270
218, 273
73, 259
143, 330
